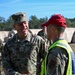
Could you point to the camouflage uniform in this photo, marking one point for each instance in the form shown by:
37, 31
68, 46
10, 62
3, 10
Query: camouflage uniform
43, 35
57, 58
11, 33
1, 46
23, 56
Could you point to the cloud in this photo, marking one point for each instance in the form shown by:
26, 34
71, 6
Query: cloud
6, 3
37, 8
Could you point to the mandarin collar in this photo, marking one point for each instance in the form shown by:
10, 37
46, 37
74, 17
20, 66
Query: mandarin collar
27, 38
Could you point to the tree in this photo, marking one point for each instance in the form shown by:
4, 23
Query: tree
68, 22
9, 24
72, 22
2, 23
35, 23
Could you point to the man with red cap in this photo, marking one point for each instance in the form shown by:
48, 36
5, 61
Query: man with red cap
59, 59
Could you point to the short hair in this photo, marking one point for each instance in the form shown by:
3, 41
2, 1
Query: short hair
59, 28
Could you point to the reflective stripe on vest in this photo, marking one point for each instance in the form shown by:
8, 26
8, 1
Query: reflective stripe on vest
62, 44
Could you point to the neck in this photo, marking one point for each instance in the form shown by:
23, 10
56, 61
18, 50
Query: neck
56, 37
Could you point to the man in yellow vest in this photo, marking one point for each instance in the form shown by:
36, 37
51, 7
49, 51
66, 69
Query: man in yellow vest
60, 59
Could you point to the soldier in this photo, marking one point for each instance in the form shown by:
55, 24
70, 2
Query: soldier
11, 33
60, 58
1, 46
43, 34
23, 54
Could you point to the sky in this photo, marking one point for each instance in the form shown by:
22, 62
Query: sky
39, 8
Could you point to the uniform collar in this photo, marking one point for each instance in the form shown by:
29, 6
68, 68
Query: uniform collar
27, 38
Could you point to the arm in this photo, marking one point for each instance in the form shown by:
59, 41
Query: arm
43, 47
57, 61
41, 52
7, 65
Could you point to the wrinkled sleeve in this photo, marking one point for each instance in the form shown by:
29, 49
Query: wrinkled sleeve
43, 48
7, 66
57, 61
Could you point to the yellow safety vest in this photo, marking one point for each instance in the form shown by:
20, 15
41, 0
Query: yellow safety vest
62, 44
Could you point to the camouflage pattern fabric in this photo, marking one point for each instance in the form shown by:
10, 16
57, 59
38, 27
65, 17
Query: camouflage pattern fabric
1, 44
11, 33
23, 56
57, 61
43, 35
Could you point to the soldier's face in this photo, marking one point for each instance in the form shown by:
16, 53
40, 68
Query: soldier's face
22, 28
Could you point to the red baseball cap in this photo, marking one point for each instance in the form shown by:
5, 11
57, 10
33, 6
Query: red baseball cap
56, 19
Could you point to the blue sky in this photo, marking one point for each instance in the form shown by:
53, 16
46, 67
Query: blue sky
40, 8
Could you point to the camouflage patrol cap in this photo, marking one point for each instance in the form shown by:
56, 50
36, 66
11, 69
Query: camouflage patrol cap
19, 17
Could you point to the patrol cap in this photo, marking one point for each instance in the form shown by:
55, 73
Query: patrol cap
19, 17
56, 19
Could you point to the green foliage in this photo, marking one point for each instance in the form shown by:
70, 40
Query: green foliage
5, 25
34, 23
68, 22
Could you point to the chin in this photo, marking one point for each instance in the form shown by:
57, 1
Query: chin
25, 34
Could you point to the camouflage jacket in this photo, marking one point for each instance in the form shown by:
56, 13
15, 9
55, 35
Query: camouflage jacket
1, 45
23, 56
44, 36
57, 61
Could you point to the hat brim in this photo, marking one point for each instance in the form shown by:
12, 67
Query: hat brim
45, 24
23, 19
